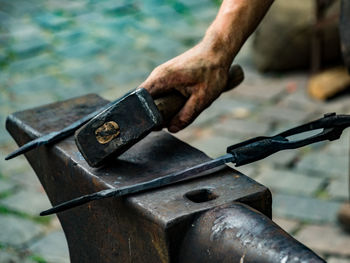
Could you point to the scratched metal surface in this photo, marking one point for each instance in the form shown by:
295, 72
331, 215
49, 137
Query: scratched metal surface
238, 233
157, 218
157, 155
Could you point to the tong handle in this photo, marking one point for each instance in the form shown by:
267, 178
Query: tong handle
260, 147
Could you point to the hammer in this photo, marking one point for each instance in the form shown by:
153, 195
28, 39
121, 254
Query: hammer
123, 124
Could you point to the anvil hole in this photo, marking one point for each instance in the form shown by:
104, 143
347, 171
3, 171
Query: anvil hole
200, 195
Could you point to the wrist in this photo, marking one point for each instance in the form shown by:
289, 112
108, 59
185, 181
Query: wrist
222, 52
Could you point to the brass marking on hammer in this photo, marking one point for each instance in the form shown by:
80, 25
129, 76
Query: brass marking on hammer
107, 132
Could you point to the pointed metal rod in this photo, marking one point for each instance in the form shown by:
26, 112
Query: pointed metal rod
57, 136
152, 184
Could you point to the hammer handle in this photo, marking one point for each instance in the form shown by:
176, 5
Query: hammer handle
172, 103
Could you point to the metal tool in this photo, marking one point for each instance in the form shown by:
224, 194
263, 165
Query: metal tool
243, 153
167, 104
57, 136
116, 129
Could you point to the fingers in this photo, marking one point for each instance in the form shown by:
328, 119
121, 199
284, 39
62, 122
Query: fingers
193, 107
155, 86
164, 78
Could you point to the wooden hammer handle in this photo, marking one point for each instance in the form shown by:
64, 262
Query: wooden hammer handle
172, 103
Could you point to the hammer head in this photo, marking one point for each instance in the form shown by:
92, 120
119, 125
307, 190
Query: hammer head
116, 129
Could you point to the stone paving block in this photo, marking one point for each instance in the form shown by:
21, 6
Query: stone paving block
4, 136
258, 88
27, 179
10, 257
6, 185
284, 181
30, 47
82, 70
324, 164
250, 170
54, 224
287, 225
282, 159
71, 7
80, 50
34, 84
71, 35
207, 116
6, 19
25, 100
125, 76
283, 114
166, 48
339, 104
3, 56
213, 146
27, 201
51, 21
183, 31
339, 189
24, 30
32, 64
116, 8
189, 134
197, 3
304, 208
326, 239
53, 248
160, 11
17, 231
248, 128
204, 13
86, 19
341, 146
119, 24
224, 106
338, 260
117, 89
300, 100
11, 168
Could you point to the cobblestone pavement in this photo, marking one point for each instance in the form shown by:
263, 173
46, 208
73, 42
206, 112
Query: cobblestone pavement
52, 50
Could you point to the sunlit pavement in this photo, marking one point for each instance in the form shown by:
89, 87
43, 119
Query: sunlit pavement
54, 50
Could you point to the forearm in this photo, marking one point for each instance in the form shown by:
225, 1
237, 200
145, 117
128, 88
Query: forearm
234, 23
201, 73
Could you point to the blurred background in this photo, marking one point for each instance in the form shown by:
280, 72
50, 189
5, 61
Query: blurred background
57, 49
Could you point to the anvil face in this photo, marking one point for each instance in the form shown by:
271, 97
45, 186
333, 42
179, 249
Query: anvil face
116, 129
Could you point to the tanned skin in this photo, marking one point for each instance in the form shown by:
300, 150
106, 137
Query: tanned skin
201, 73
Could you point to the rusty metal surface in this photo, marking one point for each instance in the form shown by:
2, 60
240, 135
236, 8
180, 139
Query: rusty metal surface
236, 233
146, 227
344, 26
331, 125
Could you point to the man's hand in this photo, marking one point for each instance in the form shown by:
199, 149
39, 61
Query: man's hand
201, 73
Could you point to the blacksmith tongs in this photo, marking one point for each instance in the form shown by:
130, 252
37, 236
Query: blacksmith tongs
252, 150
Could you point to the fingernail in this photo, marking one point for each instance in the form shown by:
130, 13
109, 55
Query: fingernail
173, 129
